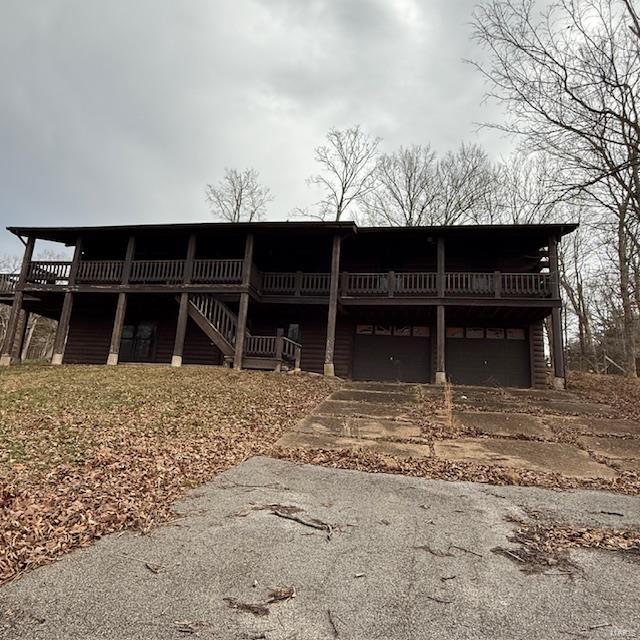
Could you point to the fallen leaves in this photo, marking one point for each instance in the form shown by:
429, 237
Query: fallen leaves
623, 394
105, 449
436, 468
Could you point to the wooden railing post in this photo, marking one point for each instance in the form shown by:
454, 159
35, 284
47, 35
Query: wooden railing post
391, 283
279, 349
243, 308
297, 358
497, 284
16, 307
62, 331
183, 311
329, 369
121, 305
441, 267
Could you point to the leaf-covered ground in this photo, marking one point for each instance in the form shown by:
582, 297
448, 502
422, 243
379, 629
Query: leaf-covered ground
623, 394
86, 451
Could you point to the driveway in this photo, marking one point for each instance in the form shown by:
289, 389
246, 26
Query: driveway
540, 431
366, 556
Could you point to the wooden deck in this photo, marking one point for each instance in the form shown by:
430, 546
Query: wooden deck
221, 275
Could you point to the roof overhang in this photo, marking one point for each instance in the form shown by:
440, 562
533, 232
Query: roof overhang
68, 235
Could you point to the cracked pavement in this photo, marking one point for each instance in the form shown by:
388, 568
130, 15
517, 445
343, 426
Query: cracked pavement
407, 558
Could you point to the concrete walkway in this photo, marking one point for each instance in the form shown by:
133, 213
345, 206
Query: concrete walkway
525, 429
407, 558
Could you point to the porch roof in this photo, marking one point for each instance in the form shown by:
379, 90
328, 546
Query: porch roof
68, 235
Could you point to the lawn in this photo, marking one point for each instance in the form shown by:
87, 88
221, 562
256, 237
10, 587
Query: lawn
86, 451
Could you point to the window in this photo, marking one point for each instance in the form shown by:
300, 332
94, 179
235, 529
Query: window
293, 332
138, 341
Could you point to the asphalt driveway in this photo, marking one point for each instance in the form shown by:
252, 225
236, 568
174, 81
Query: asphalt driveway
364, 556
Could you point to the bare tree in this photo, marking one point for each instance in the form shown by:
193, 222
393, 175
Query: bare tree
464, 182
239, 196
404, 189
570, 80
348, 162
523, 192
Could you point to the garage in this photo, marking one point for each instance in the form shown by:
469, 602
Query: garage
392, 353
488, 356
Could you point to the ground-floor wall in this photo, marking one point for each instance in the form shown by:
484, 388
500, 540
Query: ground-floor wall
91, 325
489, 347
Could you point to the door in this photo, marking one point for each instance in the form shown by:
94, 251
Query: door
393, 358
488, 357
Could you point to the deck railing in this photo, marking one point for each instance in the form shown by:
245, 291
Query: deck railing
365, 284
293, 283
8, 282
526, 285
260, 346
50, 272
103, 271
469, 284
157, 271
222, 271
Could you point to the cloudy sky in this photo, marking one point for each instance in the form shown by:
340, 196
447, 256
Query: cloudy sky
120, 112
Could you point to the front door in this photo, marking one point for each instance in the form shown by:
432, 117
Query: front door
396, 354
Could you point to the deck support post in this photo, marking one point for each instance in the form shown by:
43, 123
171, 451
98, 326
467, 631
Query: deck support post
62, 331
21, 332
329, 368
181, 327
121, 305
441, 375
559, 376
16, 307
558, 350
243, 309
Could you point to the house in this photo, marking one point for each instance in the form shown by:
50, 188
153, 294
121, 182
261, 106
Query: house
420, 304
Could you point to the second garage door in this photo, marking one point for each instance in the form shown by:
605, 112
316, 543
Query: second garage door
492, 357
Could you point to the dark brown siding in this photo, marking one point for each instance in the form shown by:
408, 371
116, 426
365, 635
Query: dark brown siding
92, 322
267, 319
198, 349
90, 329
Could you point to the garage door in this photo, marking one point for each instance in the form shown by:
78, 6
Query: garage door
401, 358
489, 357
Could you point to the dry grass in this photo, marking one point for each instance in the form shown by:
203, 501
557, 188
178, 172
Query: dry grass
85, 451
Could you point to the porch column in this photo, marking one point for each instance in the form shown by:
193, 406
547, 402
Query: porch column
67, 306
329, 368
243, 310
16, 307
121, 305
558, 350
183, 312
441, 375
21, 332
556, 317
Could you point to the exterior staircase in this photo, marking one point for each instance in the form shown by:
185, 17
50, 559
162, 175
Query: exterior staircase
220, 325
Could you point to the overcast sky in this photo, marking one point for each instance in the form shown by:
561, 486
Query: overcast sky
121, 111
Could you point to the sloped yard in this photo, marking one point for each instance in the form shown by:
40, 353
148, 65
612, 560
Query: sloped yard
86, 451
